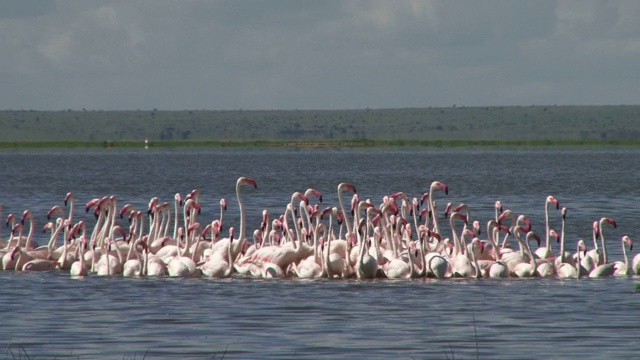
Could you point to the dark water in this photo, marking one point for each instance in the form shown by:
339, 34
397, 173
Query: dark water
51, 315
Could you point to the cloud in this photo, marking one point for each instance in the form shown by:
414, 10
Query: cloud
309, 54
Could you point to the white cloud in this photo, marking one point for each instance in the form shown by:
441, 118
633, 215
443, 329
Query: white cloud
309, 54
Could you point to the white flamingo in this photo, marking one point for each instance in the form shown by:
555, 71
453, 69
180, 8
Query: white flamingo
622, 268
606, 268
546, 252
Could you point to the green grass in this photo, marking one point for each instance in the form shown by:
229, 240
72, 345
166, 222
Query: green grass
344, 143
455, 126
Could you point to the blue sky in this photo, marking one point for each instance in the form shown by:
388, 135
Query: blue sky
298, 54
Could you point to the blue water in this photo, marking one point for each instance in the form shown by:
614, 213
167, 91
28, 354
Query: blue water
48, 315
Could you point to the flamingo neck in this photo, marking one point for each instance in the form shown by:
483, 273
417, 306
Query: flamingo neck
562, 242
344, 213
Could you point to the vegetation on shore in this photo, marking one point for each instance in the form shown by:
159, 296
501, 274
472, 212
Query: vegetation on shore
315, 144
455, 126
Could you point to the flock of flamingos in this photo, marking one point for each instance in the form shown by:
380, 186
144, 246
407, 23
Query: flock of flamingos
398, 238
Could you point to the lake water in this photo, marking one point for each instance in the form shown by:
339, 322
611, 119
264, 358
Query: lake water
47, 315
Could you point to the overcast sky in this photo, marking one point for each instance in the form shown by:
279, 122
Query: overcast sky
316, 54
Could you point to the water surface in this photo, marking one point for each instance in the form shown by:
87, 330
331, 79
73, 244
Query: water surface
52, 315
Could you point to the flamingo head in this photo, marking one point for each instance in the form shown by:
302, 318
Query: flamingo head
457, 215
424, 197
340, 217
91, 204
441, 186
476, 226
325, 212
194, 194
126, 209
408, 230
582, 247
480, 244
204, 232
232, 232
152, 205
462, 208
564, 213
119, 229
247, 181
54, 210
447, 210
468, 232
448, 246
10, 218
193, 227
504, 215
400, 195
68, 198
26, 215
534, 236
434, 235
346, 186
608, 220
315, 193
555, 235
48, 226
627, 240
498, 206
178, 199
424, 212
554, 201
76, 228
190, 204
526, 221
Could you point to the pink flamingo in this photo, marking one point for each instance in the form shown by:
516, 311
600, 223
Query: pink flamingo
219, 265
79, 267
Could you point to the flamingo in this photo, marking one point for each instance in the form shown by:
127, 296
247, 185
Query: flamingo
366, 266
566, 270
152, 268
217, 265
311, 266
435, 186
526, 269
45, 263
335, 264
79, 267
181, 265
108, 264
342, 247
622, 268
221, 245
606, 268
12, 262
546, 252
133, 266
564, 256
17, 258
593, 257
635, 264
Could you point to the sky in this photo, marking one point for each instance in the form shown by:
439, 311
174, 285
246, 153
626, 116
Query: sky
307, 54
